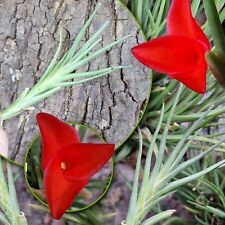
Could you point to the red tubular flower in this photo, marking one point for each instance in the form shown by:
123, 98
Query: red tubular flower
55, 135
181, 53
67, 164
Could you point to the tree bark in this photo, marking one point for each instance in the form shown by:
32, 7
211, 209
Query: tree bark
29, 34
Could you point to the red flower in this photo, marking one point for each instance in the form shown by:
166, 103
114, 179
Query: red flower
181, 53
67, 164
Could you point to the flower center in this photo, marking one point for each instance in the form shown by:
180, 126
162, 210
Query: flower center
63, 165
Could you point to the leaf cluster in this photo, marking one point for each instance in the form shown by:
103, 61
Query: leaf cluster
191, 107
63, 72
161, 180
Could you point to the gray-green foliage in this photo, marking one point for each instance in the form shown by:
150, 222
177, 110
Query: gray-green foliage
150, 15
62, 73
164, 178
190, 108
9, 209
205, 197
191, 105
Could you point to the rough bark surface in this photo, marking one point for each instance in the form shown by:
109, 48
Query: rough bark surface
29, 34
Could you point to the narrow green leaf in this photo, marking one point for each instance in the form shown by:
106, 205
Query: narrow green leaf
159, 217
145, 180
3, 219
56, 56
162, 147
149, 204
86, 47
175, 153
179, 168
70, 76
134, 194
36, 99
22, 96
216, 211
66, 84
74, 66
159, 18
195, 6
176, 184
81, 34
12, 192
139, 10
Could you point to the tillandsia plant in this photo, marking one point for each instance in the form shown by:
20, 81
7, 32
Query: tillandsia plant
62, 72
10, 213
67, 163
151, 17
152, 20
205, 197
162, 177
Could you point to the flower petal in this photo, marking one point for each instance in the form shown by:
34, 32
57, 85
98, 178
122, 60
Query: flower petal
55, 135
70, 170
181, 22
195, 80
83, 160
168, 54
60, 192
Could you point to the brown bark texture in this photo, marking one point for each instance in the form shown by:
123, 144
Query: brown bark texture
29, 36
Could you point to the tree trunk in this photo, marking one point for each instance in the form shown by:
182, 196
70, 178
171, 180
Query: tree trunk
29, 34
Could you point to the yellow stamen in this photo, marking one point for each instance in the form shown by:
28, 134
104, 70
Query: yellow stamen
63, 165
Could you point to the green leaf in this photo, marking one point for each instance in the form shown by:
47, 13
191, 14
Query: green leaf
60, 73
134, 194
12, 192
3, 219
216, 211
179, 168
159, 217
159, 158
175, 184
145, 180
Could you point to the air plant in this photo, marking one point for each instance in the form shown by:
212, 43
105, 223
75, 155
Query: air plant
191, 106
176, 116
205, 197
151, 17
63, 72
164, 179
10, 213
